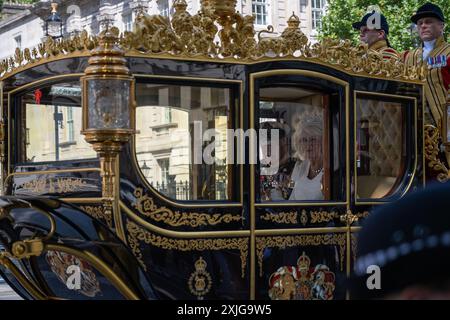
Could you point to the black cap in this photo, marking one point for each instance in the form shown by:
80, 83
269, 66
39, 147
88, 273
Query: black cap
428, 10
384, 24
409, 241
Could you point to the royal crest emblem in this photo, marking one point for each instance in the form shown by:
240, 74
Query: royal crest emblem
59, 263
200, 281
302, 282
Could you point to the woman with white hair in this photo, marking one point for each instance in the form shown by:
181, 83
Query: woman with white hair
307, 142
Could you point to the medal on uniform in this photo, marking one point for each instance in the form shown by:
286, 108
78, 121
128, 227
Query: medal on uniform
437, 63
444, 60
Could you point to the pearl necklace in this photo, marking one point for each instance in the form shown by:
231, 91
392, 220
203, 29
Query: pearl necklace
315, 173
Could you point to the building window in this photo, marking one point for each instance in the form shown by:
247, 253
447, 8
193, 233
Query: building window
128, 22
303, 5
163, 7
164, 167
260, 11
18, 41
317, 10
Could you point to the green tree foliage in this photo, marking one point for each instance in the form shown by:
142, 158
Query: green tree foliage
342, 13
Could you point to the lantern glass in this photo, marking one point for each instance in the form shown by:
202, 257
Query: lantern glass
54, 29
109, 104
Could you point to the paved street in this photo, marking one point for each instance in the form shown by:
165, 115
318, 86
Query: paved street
6, 293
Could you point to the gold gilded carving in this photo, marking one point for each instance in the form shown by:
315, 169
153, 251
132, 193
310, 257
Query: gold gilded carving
137, 234
323, 216
302, 282
200, 281
146, 206
282, 217
187, 35
349, 218
432, 138
304, 217
53, 185
302, 240
354, 246
98, 212
316, 217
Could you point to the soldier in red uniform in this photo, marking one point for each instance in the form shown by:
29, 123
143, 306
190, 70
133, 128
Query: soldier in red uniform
376, 36
434, 53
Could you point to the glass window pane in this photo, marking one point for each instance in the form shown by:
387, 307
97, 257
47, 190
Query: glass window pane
259, 9
303, 5
182, 145
52, 125
294, 145
380, 152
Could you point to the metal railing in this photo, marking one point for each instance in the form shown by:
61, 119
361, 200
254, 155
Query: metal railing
175, 190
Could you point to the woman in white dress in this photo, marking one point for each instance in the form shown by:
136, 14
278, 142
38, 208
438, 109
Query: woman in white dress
307, 176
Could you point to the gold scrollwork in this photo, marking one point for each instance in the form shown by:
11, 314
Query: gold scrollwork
323, 216
349, 218
53, 185
186, 35
432, 138
98, 212
302, 240
354, 246
304, 218
137, 234
314, 217
281, 217
146, 206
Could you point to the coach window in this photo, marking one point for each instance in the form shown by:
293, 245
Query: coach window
381, 146
50, 124
182, 146
299, 145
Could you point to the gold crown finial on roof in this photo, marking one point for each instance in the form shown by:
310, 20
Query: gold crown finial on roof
196, 36
180, 4
294, 21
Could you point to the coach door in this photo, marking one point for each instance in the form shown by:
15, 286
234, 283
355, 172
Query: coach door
300, 188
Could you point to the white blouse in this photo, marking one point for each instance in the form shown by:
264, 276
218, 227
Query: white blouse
305, 188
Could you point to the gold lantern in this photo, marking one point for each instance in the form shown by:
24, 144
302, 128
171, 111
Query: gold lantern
108, 111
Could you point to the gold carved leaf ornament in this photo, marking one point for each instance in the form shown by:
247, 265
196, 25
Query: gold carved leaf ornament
219, 32
147, 207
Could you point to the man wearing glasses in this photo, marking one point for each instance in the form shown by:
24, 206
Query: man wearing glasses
374, 31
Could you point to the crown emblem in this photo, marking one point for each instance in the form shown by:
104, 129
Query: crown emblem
303, 262
200, 265
200, 281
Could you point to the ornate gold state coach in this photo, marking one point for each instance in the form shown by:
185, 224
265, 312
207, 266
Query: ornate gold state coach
139, 218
